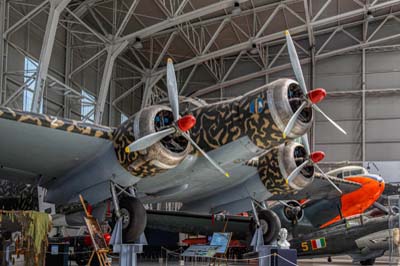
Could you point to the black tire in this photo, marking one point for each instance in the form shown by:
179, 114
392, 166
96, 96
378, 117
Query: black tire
134, 227
271, 219
368, 262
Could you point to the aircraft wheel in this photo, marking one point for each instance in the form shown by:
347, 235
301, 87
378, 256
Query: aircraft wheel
134, 218
368, 262
270, 224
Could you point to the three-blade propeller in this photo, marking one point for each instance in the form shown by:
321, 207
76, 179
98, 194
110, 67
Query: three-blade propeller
180, 126
312, 158
311, 98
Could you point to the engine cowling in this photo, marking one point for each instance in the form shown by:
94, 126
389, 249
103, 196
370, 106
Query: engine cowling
293, 212
159, 157
275, 166
284, 98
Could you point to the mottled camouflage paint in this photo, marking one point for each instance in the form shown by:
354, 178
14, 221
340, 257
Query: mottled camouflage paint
217, 125
64, 124
133, 162
221, 123
270, 174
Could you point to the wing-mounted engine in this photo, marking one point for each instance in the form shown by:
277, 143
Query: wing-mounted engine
164, 154
284, 98
277, 164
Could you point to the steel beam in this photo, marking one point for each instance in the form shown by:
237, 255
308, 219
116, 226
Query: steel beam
288, 65
126, 18
113, 51
56, 7
150, 82
170, 22
275, 36
164, 50
24, 19
215, 35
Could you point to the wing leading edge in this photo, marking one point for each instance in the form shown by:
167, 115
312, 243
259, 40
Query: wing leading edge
36, 145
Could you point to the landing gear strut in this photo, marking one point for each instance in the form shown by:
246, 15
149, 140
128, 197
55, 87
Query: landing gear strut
268, 221
130, 210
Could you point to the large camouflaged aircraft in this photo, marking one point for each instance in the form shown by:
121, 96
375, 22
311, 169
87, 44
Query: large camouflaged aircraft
202, 158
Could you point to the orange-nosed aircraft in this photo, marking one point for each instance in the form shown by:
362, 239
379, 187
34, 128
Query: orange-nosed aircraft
320, 213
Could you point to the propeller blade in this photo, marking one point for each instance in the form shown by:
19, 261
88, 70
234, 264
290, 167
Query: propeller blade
293, 119
304, 140
297, 170
219, 168
172, 89
294, 60
149, 140
328, 178
285, 204
329, 119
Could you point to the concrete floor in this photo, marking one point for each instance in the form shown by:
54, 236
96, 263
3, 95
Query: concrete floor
336, 261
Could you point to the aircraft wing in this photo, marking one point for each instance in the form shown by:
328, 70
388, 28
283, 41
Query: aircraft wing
320, 188
194, 223
35, 145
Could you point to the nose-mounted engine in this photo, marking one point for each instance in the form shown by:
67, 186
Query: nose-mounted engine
293, 211
162, 155
275, 166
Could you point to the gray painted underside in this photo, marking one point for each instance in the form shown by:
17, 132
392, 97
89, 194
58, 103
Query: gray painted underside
74, 164
44, 151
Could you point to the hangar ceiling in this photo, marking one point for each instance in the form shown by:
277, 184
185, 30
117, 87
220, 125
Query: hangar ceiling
117, 49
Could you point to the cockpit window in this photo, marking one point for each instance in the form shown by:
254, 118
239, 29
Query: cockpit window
356, 172
347, 171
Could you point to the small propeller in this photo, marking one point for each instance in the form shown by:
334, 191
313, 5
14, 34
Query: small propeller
293, 209
311, 98
180, 126
313, 158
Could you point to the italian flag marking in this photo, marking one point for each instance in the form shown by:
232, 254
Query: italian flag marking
318, 243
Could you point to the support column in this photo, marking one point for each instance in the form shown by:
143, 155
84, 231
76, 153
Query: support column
68, 64
150, 82
56, 7
363, 85
113, 51
2, 55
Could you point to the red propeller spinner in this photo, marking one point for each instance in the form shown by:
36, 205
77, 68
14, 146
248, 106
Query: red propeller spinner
186, 123
317, 95
317, 156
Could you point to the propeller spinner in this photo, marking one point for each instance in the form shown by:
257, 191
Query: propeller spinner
313, 158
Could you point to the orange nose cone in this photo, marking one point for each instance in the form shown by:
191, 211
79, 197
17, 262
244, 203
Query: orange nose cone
317, 95
186, 122
317, 156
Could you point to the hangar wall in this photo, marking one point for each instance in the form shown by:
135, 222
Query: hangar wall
340, 73
26, 42
342, 77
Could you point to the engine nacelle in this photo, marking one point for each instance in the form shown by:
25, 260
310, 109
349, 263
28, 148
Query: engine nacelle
261, 115
275, 166
159, 157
